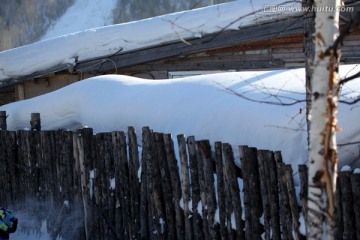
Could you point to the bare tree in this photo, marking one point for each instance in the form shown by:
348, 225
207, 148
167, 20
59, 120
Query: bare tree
323, 156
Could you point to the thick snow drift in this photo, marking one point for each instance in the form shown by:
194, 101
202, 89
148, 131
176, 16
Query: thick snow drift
268, 111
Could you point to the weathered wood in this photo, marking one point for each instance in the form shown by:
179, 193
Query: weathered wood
82, 140
58, 168
273, 189
355, 184
176, 185
3, 125
12, 163
221, 192
164, 155
264, 178
205, 152
195, 188
203, 199
144, 205
148, 156
123, 217
230, 179
4, 171
35, 122
104, 169
293, 201
285, 211
227, 38
158, 196
134, 182
339, 230
252, 196
347, 205
185, 186
303, 173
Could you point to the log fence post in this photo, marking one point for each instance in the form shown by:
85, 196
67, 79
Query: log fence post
35, 122
185, 186
3, 125
355, 184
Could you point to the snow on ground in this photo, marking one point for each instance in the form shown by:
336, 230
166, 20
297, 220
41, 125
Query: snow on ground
104, 41
204, 106
83, 15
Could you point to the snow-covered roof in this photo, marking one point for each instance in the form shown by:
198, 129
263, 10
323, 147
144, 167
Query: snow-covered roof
64, 51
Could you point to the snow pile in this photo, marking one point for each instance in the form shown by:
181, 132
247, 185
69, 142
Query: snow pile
63, 51
261, 109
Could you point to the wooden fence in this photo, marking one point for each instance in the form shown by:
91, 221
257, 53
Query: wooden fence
90, 186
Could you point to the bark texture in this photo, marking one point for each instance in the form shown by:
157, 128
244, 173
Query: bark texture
323, 157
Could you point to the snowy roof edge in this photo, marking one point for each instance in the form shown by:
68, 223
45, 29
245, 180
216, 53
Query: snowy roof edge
57, 54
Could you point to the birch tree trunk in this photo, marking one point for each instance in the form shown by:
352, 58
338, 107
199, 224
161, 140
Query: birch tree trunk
323, 157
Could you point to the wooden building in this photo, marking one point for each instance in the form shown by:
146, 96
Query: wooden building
277, 44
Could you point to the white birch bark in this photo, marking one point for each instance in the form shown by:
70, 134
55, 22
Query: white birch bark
323, 156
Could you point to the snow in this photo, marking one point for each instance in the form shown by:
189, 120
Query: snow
356, 171
112, 183
43, 235
203, 106
65, 50
346, 168
82, 15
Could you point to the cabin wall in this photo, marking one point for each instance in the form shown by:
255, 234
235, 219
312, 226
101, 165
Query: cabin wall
7, 95
281, 53
39, 86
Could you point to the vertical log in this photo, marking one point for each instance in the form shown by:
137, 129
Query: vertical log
11, 158
185, 183
303, 188
103, 182
339, 209
122, 191
66, 191
264, 178
285, 212
221, 190
83, 143
204, 210
292, 200
144, 205
355, 184
252, 197
205, 152
229, 170
3, 125
158, 196
347, 205
48, 152
168, 223
273, 195
134, 182
35, 122
5, 189
175, 184
195, 190
148, 155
